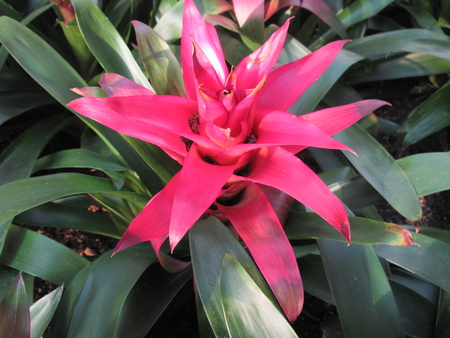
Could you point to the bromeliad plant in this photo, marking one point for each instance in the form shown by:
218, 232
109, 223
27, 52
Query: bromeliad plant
230, 131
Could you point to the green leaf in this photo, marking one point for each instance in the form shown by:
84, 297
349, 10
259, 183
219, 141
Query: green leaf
158, 287
42, 311
14, 312
108, 276
431, 116
17, 160
361, 10
46, 66
410, 40
40, 256
106, 43
314, 278
428, 172
250, 16
417, 313
60, 216
410, 65
380, 169
209, 241
161, 64
169, 25
442, 327
429, 261
364, 231
248, 312
363, 297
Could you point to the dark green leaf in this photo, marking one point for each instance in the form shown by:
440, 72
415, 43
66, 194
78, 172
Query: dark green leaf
38, 255
161, 64
42, 312
431, 116
427, 172
157, 287
61, 216
248, 312
429, 261
364, 231
363, 297
14, 312
442, 327
96, 311
106, 43
381, 171
210, 240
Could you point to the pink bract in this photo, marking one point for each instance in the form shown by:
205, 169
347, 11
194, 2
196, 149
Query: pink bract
233, 137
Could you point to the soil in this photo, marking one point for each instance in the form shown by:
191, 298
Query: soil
435, 213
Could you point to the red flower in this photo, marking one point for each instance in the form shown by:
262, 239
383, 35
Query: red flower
232, 135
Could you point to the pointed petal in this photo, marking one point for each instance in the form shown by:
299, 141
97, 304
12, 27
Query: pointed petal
290, 130
252, 69
117, 85
169, 263
286, 84
153, 221
257, 224
333, 120
162, 111
98, 111
278, 168
205, 36
199, 185
204, 71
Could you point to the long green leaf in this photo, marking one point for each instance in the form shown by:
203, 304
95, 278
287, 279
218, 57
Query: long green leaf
363, 297
410, 65
248, 312
209, 241
108, 284
381, 170
61, 216
442, 327
364, 231
42, 311
431, 116
158, 288
106, 43
28, 193
428, 172
429, 261
161, 64
14, 312
40, 256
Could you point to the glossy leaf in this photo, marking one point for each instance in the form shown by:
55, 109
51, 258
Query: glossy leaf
161, 64
431, 116
360, 10
108, 276
381, 170
14, 312
35, 254
364, 231
47, 67
428, 172
42, 311
428, 261
210, 240
363, 289
158, 288
410, 65
250, 16
169, 25
28, 193
442, 328
106, 43
248, 312
61, 216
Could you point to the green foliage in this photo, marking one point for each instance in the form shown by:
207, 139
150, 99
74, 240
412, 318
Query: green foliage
379, 287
